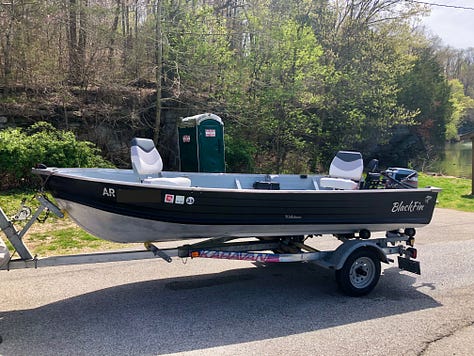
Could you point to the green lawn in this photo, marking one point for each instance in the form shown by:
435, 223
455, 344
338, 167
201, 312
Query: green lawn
55, 236
455, 194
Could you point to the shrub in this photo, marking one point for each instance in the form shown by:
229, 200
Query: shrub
239, 155
42, 143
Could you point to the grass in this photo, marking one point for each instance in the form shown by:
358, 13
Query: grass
61, 236
455, 194
55, 236
68, 240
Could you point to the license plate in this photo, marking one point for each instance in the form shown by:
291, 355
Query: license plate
409, 265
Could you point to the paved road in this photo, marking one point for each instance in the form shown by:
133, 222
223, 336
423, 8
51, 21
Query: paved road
237, 308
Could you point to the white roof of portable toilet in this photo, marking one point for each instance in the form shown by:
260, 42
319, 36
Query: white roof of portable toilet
197, 119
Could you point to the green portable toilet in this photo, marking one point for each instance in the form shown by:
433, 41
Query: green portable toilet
201, 144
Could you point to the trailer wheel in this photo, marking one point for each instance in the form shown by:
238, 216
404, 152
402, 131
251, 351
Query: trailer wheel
360, 273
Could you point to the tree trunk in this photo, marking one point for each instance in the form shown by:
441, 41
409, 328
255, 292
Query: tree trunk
136, 41
158, 70
81, 45
72, 41
114, 31
7, 64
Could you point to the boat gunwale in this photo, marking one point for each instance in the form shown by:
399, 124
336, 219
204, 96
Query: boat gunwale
53, 171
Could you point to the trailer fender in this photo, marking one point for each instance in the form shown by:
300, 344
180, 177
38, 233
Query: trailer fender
336, 259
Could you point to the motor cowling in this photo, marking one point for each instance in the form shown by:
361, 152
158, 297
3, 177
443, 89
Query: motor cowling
401, 178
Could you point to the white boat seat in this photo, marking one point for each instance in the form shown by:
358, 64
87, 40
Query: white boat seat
345, 171
175, 181
146, 162
338, 183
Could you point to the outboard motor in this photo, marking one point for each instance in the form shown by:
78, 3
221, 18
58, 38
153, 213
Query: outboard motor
401, 178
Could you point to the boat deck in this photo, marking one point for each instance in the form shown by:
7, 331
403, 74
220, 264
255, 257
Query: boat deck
208, 180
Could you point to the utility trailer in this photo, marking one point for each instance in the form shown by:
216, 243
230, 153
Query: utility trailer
356, 261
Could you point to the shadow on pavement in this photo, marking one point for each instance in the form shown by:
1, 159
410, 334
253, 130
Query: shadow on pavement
197, 312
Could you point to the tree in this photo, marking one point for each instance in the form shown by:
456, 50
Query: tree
461, 104
425, 90
278, 84
158, 69
295, 80
77, 39
364, 47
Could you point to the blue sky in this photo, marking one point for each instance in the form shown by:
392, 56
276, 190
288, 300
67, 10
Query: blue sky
454, 26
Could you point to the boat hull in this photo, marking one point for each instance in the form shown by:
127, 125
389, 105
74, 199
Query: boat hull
131, 212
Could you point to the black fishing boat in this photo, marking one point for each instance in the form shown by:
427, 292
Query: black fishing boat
146, 204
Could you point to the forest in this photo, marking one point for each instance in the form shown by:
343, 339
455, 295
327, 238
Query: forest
294, 81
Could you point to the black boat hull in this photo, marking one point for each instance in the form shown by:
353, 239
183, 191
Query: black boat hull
129, 212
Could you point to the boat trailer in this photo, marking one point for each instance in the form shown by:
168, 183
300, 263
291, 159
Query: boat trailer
356, 261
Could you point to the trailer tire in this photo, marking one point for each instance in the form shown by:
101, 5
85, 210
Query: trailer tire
360, 273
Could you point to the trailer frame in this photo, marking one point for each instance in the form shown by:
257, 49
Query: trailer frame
356, 261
